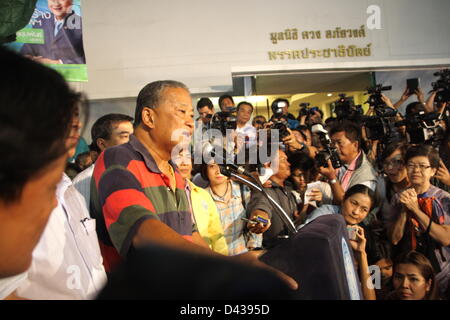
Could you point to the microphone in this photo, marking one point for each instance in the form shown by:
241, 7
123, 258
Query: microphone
208, 148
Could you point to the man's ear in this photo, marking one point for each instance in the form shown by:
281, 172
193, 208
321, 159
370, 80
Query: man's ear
148, 115
101, 144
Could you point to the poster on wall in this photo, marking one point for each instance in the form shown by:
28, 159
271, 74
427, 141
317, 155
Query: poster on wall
54, 37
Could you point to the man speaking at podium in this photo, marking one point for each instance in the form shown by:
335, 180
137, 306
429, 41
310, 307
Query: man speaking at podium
139, 196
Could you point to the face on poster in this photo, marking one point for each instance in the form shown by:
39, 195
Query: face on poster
54, 37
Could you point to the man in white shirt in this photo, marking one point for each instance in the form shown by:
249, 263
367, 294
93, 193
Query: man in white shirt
35, 114
109, 130
246, 133
67, 263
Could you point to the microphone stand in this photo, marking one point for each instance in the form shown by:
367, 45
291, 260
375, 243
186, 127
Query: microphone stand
278, 209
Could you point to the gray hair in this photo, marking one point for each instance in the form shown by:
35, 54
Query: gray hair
150, 95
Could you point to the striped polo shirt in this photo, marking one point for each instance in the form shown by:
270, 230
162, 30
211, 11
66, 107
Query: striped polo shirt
128, 188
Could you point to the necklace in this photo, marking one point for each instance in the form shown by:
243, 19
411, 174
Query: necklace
223, 196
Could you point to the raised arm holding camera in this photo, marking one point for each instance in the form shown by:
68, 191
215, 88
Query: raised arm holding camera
356, 169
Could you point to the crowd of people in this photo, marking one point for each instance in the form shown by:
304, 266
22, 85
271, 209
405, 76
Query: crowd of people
65, 237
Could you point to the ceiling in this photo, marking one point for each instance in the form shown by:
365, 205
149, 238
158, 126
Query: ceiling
290, 84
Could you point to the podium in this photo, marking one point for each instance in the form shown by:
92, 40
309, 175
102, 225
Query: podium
319, 257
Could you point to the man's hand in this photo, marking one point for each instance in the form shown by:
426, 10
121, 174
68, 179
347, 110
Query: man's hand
409, 200
303, 119
442, 174
258, 227
252, 258
315, 195
420, 96
329, 172
387, 101
46, 60
405, 95
291, 142
403, 98
429, 105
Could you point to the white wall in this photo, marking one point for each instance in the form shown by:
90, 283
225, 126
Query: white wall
200, 42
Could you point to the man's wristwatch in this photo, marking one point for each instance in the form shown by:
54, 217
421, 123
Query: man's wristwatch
332, 181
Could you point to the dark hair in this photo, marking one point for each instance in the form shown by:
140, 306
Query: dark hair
205, 102
330, 120
382, 249
36, 110
223, 97
303, 128
392, 147
299, 130
414, 107
301, 161
150, 96
276, 101
304, 163
80, 157
258, 117
423, 151
426, 270
360, 188
242, 103
102, 128
352, 131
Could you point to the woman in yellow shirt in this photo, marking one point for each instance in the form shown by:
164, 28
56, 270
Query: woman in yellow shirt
203, 209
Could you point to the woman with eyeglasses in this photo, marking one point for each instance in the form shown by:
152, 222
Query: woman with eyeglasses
394, 178
422, 213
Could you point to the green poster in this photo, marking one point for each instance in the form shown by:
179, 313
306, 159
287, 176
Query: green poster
54, 37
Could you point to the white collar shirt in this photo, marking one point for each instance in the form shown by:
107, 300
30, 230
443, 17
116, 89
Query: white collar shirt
82, 183
67, 263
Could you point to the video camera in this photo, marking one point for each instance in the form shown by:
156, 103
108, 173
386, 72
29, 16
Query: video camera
304, 111
378, 128
224, 120
375, 100
330, 152
423, 128
382, 126
345, 109
442, 86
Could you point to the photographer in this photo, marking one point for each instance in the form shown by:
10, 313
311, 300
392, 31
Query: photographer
226, 102
310, 116
280, 109
356, 169
205, 109
259, 122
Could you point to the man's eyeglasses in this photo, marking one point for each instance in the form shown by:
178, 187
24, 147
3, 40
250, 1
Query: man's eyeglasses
412, 166
261, 122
